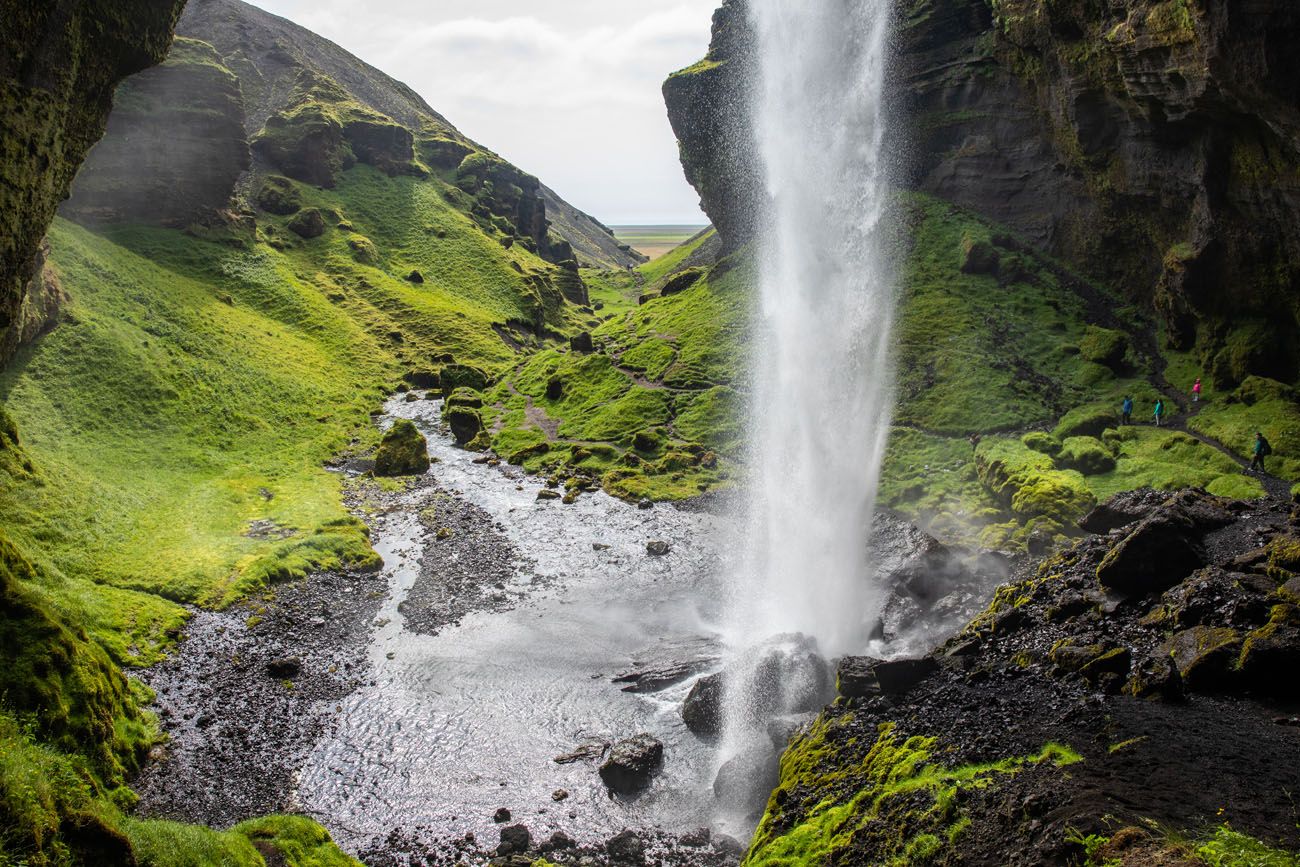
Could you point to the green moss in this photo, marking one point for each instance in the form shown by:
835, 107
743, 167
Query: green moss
159, 843
1088, 455
1090, 420
402, 452
906, 804
1029, 483
1104, 346
1257, 405
297, 839
1229, 848
1042, 442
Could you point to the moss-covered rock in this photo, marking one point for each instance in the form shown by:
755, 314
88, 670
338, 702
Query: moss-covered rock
278, 195
1205, 656
308, 223
1104, 346
1086, 421
403, 451
1088, 455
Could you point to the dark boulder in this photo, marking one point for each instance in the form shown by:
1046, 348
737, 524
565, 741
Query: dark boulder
1156, 676
581, 342
681, 282
1205, 656
415, 277
702, 709
657, 547
625, 848
979, 257
1270, 656
514, 839
632, 763
1122, 509
402, 452
1213, 596
1158, 553
862, 676
501, 815
747, 779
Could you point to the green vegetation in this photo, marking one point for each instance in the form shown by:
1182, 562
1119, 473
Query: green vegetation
895, 798
1229, 848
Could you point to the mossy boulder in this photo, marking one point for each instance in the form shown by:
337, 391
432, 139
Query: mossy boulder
279, 196
403, 451
1270, 655
457, 376
462, 412
1028, 483
1104, 346
1205, 656
1086, 421
306, 143
978, 256
363, 250
1088, 455
1043, 443
308, 223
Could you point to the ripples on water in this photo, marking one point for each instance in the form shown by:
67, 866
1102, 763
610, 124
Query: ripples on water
461, 723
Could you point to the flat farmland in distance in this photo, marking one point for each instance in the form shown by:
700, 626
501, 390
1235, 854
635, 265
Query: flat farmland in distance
654, 241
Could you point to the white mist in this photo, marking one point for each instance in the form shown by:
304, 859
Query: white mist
822, 398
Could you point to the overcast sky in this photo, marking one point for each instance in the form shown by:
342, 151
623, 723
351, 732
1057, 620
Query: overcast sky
566, 89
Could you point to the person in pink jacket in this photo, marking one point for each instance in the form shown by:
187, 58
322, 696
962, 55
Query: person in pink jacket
1196, 391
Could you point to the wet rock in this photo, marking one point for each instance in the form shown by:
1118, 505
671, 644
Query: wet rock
632, 763
284, 668
514, 839
862, 676
559, 795
1216, 596
702, 709
1205, 656
657, 547
1093, 662
592, 750
697, 839
645, 503
1122, 509
558, 842
745, 780
548, 494
501, 815
668, 663
625, 848
1159, 552
402, 452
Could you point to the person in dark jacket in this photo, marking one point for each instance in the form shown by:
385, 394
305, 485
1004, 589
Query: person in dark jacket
1262, 450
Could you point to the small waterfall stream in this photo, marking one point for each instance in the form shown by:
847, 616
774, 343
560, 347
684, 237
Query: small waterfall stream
823, 390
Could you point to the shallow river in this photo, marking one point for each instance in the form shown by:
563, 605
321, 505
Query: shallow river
454, 726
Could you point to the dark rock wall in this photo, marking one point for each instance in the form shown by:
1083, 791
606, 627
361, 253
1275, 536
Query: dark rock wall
59, 63
1156, 145
174, 148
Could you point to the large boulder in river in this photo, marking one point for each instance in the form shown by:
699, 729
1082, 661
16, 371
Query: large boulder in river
702, 710
632, 764
402, 452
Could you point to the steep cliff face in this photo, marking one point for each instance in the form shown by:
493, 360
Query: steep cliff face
1156, 145
59, 64
174, 148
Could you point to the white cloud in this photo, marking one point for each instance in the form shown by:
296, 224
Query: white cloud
569, 89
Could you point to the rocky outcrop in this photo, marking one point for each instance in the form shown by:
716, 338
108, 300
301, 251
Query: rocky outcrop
174, 148
632, 764
1165, 703
708, 107
1152, 143
59, 65
312, 111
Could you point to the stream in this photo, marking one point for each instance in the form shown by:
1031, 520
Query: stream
416, 723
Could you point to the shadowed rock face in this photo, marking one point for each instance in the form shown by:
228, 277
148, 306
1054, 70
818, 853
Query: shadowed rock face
59, 64
174, 148
1153, 144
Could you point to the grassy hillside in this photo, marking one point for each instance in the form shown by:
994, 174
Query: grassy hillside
175, 430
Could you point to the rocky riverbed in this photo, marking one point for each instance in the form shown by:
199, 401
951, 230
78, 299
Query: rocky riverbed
419, 712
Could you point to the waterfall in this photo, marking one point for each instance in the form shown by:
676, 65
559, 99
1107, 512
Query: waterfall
822, 395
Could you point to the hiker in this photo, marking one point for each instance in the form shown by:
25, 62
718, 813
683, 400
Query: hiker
1160, 410
1261, 451
1126, 411
1196, 391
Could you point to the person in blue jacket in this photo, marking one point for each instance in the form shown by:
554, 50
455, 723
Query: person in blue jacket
1126, 411
1160, 410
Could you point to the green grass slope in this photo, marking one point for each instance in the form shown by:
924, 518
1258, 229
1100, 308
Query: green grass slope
175, 429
